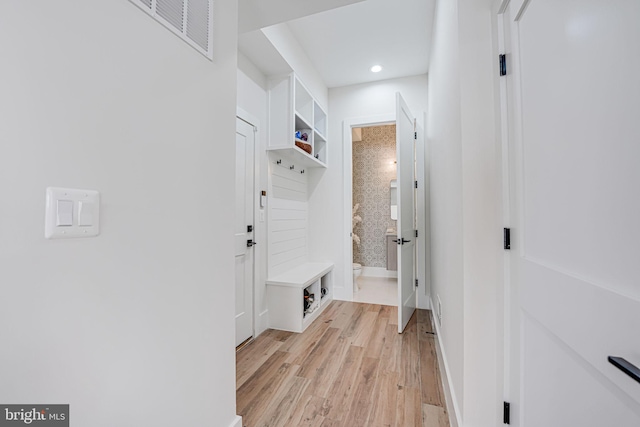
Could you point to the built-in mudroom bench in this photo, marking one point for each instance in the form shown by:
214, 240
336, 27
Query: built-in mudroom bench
299, 288
288, 296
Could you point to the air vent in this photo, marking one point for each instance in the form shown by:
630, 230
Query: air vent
172, 11
191, 20
198, 22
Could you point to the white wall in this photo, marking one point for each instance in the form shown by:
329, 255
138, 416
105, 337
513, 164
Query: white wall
133, 327
326, 202
482, 214
252, 98
285, 42
466, 205
444, 134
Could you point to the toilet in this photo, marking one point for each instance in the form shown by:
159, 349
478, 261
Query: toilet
357, 271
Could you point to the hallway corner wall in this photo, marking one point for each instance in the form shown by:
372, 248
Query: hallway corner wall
466, 206
445, 143
132, 327
482, 215
253, 98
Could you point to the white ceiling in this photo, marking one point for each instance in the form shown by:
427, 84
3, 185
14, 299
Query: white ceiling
344, 43
256, 14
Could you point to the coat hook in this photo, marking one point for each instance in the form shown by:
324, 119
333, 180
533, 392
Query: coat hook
302, 171
278, 161
291, 167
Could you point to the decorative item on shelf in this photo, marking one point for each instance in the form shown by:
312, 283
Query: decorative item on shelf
356, 219
302, 135
317, 156
303, 146
323, 292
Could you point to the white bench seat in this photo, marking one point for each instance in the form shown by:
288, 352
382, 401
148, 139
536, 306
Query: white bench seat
302, 275
285, 295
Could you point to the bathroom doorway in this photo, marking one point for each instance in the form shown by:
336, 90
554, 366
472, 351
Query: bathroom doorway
374, 254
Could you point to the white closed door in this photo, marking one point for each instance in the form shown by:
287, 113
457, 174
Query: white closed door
243, 227
573, 93
405, 156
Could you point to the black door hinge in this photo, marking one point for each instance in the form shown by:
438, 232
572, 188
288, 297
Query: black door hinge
415, 135
507, 238
416, 233
416, 283
416, 184
503, 65
506, 416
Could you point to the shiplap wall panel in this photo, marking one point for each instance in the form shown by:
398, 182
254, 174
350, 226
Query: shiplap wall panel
280, 214
288, 184
292, 234
288, 245
288, 218
291, 225
287, 261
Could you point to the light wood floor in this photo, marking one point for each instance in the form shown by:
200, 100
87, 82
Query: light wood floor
349, 368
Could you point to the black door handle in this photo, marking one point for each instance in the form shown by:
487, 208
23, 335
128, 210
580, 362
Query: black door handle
626, 367
403, 241
251, 243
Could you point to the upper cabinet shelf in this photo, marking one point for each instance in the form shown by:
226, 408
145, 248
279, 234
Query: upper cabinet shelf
292, 109
303, 102
319, 120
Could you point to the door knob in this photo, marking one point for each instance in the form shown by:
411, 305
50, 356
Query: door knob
251, 243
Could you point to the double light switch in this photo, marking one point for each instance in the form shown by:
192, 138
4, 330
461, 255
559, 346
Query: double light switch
71, 213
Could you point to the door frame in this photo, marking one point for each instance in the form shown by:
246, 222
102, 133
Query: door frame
347, 168
258, 253
502, 132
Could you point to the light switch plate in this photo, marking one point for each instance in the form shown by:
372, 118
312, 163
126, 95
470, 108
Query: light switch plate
88, 198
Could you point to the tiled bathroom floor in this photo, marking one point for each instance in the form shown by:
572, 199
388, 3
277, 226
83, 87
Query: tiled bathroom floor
377, 290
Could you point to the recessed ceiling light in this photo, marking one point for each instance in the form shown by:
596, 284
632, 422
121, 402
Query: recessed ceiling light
376, 69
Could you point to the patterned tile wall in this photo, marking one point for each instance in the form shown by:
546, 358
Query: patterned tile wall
373, 169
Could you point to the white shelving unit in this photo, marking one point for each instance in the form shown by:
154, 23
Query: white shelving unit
292, 109
285, 295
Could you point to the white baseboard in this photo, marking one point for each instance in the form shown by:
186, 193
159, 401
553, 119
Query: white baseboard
342, 294
447, 385
262, 323
424, 302
237, 422
378, 272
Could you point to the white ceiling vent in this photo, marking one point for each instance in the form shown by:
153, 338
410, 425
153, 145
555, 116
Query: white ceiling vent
191, 20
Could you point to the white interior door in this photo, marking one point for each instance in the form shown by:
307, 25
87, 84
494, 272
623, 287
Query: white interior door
405, 156
574, 96
243, 227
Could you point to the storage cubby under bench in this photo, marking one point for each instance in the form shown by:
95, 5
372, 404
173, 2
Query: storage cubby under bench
285, 295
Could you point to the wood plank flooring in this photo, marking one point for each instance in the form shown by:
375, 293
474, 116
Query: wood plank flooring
349, 368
